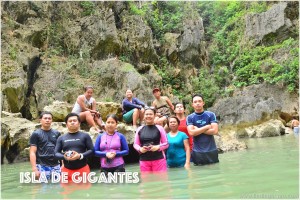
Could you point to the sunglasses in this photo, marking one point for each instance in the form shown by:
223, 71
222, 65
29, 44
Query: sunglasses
150, 108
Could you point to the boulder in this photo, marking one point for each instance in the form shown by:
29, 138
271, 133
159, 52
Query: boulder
15, 133
274, 20
227, 143
266, 129
106, 108
59, 110
127, 131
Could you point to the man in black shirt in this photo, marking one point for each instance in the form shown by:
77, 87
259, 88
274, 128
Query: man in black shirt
42, 143
74, 147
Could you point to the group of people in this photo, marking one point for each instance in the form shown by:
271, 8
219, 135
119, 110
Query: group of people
162, 140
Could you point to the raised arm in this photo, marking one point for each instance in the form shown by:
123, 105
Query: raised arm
170, 103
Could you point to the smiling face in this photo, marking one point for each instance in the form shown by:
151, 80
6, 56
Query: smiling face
88, 93
198, 104
111, 125
46, 121
129, 94
73, 124
149, 116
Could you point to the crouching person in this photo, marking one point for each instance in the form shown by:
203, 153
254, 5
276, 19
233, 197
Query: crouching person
73, 148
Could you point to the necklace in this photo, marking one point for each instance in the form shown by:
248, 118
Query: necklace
108, 147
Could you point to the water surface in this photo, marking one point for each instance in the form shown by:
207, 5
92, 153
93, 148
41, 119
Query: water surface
268, 169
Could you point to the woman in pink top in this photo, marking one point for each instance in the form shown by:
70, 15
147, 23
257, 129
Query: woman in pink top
151, 141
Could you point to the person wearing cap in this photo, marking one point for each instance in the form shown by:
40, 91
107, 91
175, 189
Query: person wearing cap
133, 109
163, 107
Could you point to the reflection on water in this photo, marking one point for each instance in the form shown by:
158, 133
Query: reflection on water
269, 168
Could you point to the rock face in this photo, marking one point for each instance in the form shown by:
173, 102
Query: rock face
15, 133
274, 20
255, 105
136, 37
191, 43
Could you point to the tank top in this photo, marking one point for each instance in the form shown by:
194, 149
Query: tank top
88, 103
162, 106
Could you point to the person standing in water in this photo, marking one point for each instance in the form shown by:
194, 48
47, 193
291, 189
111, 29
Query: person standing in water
111, 146
85, 107
74, 147
42, 144
202, 125
178, 153
151, 141
133, 109
295, 125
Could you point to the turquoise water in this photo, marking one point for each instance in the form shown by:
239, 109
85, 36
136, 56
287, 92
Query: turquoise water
268, 169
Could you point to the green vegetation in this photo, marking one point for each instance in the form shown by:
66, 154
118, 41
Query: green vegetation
88, 8
13, 52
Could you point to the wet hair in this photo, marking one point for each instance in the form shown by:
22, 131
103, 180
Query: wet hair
114, 116
197, 95
87, 87
72, 115
179, 103
173, 116
45, 113
151, 108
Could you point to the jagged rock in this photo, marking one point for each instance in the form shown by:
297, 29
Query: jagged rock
191, 43
271, 21
255, 104
136, 37
15, 133
170, 49
8, 114
227, 143
59, 110
100, 35
266, 129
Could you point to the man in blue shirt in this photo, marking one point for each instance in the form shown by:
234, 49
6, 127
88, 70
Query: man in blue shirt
202, 125
133, 109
